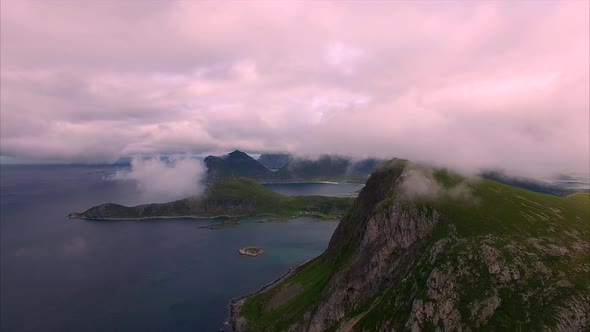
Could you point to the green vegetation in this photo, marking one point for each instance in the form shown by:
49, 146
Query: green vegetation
221, 225
233, 198
497, 258
313, 277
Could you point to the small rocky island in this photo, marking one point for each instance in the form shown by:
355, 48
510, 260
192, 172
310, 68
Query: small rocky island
251, 251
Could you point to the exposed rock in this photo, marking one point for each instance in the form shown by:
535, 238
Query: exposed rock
251, 251
482, 311
385, 238
575, 316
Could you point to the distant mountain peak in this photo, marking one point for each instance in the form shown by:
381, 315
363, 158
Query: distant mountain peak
234, 165
240, 154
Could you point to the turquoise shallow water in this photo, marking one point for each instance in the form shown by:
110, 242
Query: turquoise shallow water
162, 275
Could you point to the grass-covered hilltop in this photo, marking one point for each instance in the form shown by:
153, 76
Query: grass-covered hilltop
424, 249
232, 198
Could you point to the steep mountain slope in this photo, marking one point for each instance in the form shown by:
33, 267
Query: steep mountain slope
235, 165
426, 249
232, 198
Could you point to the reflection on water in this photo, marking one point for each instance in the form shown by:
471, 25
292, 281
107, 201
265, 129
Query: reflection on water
316, 188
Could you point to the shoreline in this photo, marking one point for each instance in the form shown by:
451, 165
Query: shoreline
152, 218
310, 182
236, 304
223, 216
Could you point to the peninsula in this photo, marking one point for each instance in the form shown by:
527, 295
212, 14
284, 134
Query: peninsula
233, 198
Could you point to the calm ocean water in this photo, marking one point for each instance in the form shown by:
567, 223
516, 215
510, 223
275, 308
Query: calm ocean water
168, 275
316, 188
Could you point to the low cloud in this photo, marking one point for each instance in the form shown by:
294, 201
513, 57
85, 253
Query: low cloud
419, 183
164, 180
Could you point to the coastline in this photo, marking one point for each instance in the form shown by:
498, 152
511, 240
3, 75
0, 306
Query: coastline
152, 218
310, 182
271, 219
238, 325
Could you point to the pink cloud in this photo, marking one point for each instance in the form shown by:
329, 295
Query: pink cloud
483, 84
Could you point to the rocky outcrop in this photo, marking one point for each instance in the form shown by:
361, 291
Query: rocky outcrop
250, 251
386, 241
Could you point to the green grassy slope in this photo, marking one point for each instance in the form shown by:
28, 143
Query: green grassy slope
235, 198
528, 251
499, 258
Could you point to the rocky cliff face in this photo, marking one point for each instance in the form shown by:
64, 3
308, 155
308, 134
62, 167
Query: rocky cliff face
391, 232
389, 240
494, 257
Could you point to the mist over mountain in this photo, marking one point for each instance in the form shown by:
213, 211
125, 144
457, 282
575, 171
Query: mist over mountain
274, 160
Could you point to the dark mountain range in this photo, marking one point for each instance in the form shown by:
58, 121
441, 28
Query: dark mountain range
326, 168
323, 168
235, 165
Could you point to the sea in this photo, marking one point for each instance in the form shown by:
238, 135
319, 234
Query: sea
59, 274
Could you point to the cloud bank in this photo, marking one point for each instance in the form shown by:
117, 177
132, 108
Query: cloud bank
420, 183
163, 181
470, 85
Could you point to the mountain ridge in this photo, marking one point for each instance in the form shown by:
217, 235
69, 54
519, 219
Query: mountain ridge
326, 168
236, 164
476, 255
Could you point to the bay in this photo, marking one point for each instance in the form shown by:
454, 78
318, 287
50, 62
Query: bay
58, 274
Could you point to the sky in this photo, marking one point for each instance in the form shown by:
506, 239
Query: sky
478, 84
